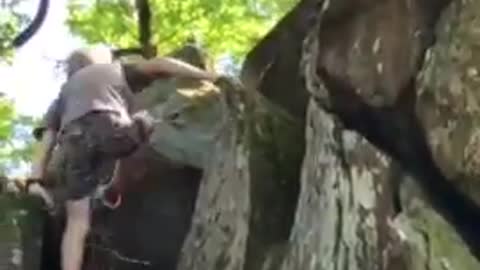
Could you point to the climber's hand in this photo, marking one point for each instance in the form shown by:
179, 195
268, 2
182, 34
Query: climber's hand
36, 187
145, 124
24, 185
228, 82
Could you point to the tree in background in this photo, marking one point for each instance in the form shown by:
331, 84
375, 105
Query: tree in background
224, 27
11, 20
15, 141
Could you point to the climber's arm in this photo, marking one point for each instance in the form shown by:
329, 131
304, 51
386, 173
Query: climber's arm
162, 66
46, 134
43, 153
140, 74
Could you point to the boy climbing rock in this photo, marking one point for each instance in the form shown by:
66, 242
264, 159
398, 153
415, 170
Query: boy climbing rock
93, 120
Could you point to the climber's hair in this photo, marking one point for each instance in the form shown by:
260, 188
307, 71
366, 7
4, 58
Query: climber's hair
83, 57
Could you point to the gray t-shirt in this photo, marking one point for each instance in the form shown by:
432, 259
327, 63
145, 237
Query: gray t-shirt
99, 87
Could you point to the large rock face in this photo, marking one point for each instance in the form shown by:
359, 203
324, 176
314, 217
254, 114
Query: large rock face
447, 106
147, 231
349, 213
22, 221
190, 120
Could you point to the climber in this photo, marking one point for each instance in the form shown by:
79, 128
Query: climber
94, 122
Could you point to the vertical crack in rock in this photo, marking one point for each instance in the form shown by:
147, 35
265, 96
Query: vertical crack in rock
277, 136
428, 249
274, 168
338, 229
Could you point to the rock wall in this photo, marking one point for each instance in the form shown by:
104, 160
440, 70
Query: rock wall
286, 182
356, 208
22, 222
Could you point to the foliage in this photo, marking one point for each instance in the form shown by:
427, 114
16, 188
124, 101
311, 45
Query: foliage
11, 21
221, 26
16, 143
8, 28
6, 115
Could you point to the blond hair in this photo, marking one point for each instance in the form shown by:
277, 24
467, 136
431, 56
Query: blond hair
83, 57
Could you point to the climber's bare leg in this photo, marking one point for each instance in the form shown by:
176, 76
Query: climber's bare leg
77, 227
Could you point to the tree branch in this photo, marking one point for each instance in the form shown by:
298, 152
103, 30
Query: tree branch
144, 28
128, 51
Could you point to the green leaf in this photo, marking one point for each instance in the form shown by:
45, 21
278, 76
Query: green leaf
16, 143
223, 26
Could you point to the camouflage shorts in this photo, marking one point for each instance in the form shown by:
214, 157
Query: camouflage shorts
90, 147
